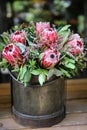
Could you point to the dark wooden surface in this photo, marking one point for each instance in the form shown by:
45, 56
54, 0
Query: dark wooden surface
76, 108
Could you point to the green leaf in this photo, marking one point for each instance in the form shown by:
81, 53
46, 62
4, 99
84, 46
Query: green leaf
1, 47
24, 75
22, 47
1, 38
36, 71
3, 62
74, 73
64, 28
30, 43
4, 39
42, 78
32, 62
72, 61
27, 76
45, 72
15, 70
50, 73
66, 73
65, 37
54, 71
70, 65
58, 73
22, 72
41, 56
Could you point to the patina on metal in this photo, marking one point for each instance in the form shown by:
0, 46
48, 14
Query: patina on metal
38, 106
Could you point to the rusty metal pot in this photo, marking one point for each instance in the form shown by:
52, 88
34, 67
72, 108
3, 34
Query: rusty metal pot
38, 106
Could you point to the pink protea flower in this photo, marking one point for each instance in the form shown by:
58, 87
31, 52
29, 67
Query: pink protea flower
40, 26
50, 58
18, 36
49, 37
12, 54
76, 45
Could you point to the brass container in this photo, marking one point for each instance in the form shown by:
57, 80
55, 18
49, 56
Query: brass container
38, 106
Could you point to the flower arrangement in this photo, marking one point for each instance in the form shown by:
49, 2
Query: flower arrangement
42, 50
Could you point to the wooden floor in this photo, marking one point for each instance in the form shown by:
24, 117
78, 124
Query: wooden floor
76, 108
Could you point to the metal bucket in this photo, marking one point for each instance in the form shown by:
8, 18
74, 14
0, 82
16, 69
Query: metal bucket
38, 106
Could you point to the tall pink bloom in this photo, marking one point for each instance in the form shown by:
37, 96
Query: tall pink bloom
76, 44
49, 37
50, 58
18, 36
12, 54
40, 26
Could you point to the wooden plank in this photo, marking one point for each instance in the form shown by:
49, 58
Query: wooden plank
71, 120
9, 124
83, 127
5, 113
4, 89
74, 119
5, 102
76, 88
5, 99
76, 106
77, 81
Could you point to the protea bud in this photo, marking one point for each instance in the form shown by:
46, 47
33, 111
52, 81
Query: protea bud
13, 54
50, 58
18, 36
40, 26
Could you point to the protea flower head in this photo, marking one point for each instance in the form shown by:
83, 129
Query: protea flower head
12, 54
50, 58
40, 26
76, 45
18, 36
49, 37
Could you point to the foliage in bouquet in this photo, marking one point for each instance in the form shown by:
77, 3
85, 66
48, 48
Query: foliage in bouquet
42, 50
